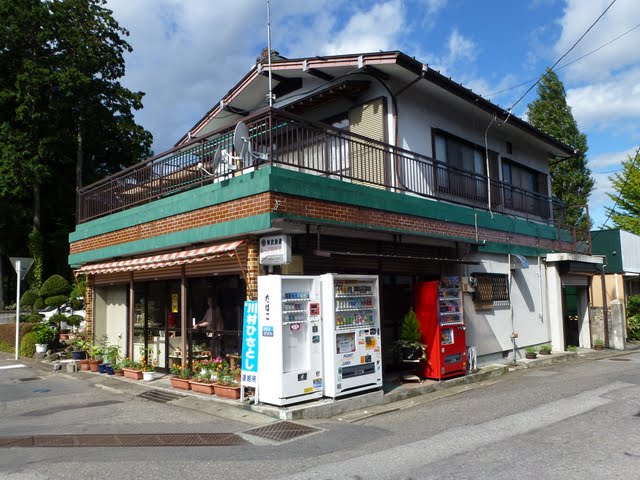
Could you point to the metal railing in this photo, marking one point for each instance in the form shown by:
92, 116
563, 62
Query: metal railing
288, 141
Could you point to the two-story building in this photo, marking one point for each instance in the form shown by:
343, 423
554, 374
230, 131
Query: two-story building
372, 164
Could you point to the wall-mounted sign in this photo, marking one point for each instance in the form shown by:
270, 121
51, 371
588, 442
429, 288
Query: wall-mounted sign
275, 250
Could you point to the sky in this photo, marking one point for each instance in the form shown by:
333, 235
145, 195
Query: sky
187, 54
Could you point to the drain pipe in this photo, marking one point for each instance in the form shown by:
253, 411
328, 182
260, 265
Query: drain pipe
605, 313
514, 335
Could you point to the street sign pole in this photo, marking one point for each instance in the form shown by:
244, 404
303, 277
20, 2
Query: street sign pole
18, 310
22, 266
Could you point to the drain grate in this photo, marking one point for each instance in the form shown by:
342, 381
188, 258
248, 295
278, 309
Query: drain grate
126, 440
620, 359
282, 431
159, 396
28, 379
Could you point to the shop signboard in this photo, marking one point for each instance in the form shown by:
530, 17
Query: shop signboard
275, 250
250, 342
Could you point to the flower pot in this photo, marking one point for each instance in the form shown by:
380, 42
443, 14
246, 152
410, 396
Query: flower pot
109, 370
544, 352
94, 365
79, 355
530, 356
200, 387
180, 383
148, 376
102, 368
41, 348
118, 372
84, 365
597, 347
132, 373
226, 391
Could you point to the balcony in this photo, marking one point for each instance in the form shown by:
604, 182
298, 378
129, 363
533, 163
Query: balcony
280, 139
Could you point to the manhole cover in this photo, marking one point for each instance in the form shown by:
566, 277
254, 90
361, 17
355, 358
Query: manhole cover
282, 431
125, 440
159, 396
28, 379
620, 359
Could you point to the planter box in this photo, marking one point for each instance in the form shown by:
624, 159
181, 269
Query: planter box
79, 355
200, 387
132, 373
84, 365
225, 391
148, 376
118, 373
180, 383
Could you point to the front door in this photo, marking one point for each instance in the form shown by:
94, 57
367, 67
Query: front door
571, 316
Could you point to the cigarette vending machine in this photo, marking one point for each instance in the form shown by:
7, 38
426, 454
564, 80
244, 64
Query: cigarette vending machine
290, 335
351, 324
438, 306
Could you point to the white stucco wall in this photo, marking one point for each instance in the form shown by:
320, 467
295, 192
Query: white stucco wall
110, 315
490, 330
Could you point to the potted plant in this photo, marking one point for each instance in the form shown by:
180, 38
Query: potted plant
545, 349
95, 351
131, 369
227, 385
148, 369
181, 376
43, 336
598, 344
202, 384
410, 346
117, 369
531, 352
79, 349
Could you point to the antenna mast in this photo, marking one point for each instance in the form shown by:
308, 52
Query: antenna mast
269, 50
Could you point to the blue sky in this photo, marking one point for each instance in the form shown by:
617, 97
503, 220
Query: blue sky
188, 54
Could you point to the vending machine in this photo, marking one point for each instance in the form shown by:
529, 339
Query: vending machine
290, 336
351, 324
438, 306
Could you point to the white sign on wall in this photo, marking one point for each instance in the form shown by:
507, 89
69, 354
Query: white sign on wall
275, 250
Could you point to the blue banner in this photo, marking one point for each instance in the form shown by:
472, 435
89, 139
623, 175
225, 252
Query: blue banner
250, 340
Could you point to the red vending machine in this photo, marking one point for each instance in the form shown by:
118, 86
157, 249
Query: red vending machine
438, 306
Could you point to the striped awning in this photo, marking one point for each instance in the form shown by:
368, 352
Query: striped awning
165, 260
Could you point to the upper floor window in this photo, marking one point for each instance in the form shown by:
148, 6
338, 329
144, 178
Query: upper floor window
519, 176
459, 153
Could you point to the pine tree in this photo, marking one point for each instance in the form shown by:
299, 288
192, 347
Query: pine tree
571, 180
626, 184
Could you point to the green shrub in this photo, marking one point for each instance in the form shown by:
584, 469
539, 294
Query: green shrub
56, 301
57, 319
633, 327
74, 321
28, 345
633, 306
39, 304
43, 333
531, 349
8, 332
28, 299
545, 348
6, 347
31, 318
55, 285
572, 348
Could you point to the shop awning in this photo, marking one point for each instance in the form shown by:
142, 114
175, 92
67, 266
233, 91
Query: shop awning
165, 260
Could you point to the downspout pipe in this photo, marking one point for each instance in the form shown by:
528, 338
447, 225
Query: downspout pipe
605, 308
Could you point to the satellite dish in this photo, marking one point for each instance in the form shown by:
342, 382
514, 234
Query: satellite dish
217, 156
241, 138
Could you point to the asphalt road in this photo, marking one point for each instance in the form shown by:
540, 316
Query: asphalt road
574, 420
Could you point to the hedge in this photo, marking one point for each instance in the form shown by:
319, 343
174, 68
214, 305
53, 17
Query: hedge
28, 345
8, 335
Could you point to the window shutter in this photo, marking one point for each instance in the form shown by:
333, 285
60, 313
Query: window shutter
367, 159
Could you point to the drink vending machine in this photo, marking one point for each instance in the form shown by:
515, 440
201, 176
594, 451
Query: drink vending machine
290, 337
438, 306
351, 325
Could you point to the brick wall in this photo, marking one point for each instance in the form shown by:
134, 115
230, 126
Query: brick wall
253, 268
313, 209
88, 302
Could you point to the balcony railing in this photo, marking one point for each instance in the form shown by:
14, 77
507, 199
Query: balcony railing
288, 141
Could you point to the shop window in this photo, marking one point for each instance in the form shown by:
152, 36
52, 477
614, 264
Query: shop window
491, 287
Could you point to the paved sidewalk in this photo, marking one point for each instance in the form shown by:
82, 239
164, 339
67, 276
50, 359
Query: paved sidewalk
396, 393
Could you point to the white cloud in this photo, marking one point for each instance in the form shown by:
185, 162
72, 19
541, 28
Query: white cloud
369, 31
610, 160
602, 103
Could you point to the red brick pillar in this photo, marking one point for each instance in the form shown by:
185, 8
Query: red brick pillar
253, 268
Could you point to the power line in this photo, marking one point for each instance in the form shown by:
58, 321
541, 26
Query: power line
565, 65
560, 59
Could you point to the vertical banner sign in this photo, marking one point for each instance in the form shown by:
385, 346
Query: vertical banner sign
250, 344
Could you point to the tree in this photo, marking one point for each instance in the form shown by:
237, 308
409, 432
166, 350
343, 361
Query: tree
62, 110
626, 184
571, 180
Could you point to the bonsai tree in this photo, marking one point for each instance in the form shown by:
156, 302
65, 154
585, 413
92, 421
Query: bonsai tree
55, 293
27, 302
410, 346
74, 322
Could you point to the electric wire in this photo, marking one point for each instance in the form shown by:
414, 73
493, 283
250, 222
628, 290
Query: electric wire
564, 65
560, 59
